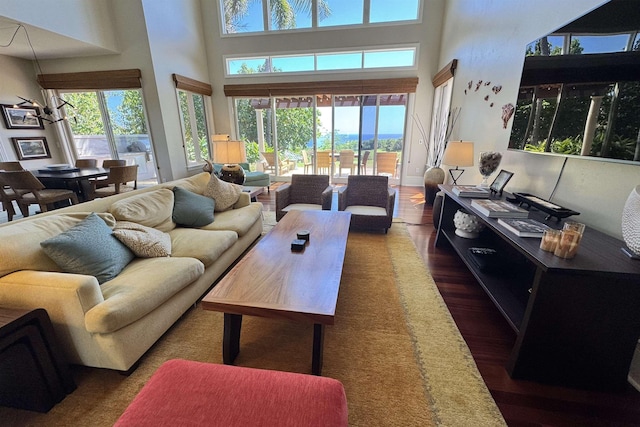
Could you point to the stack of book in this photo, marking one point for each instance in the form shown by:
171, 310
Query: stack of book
525, 227
499, 209
471, 191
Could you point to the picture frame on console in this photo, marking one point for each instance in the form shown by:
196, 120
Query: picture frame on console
500, 182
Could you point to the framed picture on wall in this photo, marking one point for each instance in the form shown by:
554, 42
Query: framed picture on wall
21, 117
31, 148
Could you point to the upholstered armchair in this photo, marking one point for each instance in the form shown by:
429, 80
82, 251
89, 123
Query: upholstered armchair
370, 201
305, 192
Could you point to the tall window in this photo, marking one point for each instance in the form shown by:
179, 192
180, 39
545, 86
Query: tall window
112, 124
246, 16
194, 127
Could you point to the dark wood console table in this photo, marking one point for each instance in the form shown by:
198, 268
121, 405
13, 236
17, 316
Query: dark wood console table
577, 321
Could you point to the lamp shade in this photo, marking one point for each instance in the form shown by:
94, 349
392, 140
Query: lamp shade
229, 151
458, 153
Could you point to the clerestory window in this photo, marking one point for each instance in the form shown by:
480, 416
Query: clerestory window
251, 16
359, 60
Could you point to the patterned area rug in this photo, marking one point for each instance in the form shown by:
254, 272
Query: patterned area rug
394, 346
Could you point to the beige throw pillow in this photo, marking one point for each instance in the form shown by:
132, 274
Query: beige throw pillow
145, 242
153, 209
224, 193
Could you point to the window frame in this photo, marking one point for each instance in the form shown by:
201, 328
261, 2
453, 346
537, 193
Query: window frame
206, 103
314, 21
269, 56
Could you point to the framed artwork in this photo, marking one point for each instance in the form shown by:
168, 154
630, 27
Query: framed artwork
501, 180
21, 117
31, 148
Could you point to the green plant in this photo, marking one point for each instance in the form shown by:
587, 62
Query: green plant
571, 145
253, 152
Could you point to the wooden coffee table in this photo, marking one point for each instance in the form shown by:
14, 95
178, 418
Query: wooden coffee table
274, 282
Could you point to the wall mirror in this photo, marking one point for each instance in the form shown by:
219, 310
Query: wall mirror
580, 88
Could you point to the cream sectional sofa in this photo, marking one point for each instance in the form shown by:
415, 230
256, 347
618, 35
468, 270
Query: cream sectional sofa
113, 324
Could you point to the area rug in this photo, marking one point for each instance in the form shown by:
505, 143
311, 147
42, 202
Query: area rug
394, 346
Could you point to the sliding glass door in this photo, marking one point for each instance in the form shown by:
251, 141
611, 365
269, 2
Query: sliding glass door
335, 135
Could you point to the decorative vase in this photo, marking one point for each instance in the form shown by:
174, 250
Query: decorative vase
467, 225
487, 164
432, 177
631, 221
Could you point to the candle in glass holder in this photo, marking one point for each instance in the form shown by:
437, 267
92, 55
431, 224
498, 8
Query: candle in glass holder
550, 239
569, 240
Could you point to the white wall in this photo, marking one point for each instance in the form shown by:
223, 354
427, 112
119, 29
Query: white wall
88, 21
489, 38
13, 83
159, 38
426, 33
177, 45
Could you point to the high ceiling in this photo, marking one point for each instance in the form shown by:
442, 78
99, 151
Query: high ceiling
46, 44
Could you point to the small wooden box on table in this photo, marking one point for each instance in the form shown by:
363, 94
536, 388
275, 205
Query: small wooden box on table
274, 282
33, 373
577, 320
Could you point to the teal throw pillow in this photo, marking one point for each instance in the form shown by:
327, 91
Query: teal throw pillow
191, 209
89, 248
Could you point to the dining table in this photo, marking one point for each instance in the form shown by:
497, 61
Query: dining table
72, 178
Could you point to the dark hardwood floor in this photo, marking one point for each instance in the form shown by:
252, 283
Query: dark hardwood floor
490, 339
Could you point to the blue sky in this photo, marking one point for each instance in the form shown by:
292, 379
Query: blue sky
343, 12
348, 119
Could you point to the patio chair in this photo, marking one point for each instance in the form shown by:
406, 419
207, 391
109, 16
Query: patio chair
305, 192
306, 161
86, 163
370, 201
324, 161
346, 161
386, 164
116, 182
31, 191
363, 163
284, 165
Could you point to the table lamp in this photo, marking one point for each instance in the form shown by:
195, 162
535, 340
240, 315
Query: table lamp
229, 153
458, 153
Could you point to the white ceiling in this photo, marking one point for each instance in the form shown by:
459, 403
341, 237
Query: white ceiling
46, 44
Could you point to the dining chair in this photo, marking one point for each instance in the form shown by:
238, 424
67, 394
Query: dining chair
86, 163
305, 192
100, 182
386, 164
370, 201
7, 196
363, 163
113, 162
31, 191
346, 161
324, 161
116, 182
11, 166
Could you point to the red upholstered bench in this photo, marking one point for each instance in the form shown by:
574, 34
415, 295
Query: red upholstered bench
186, 393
